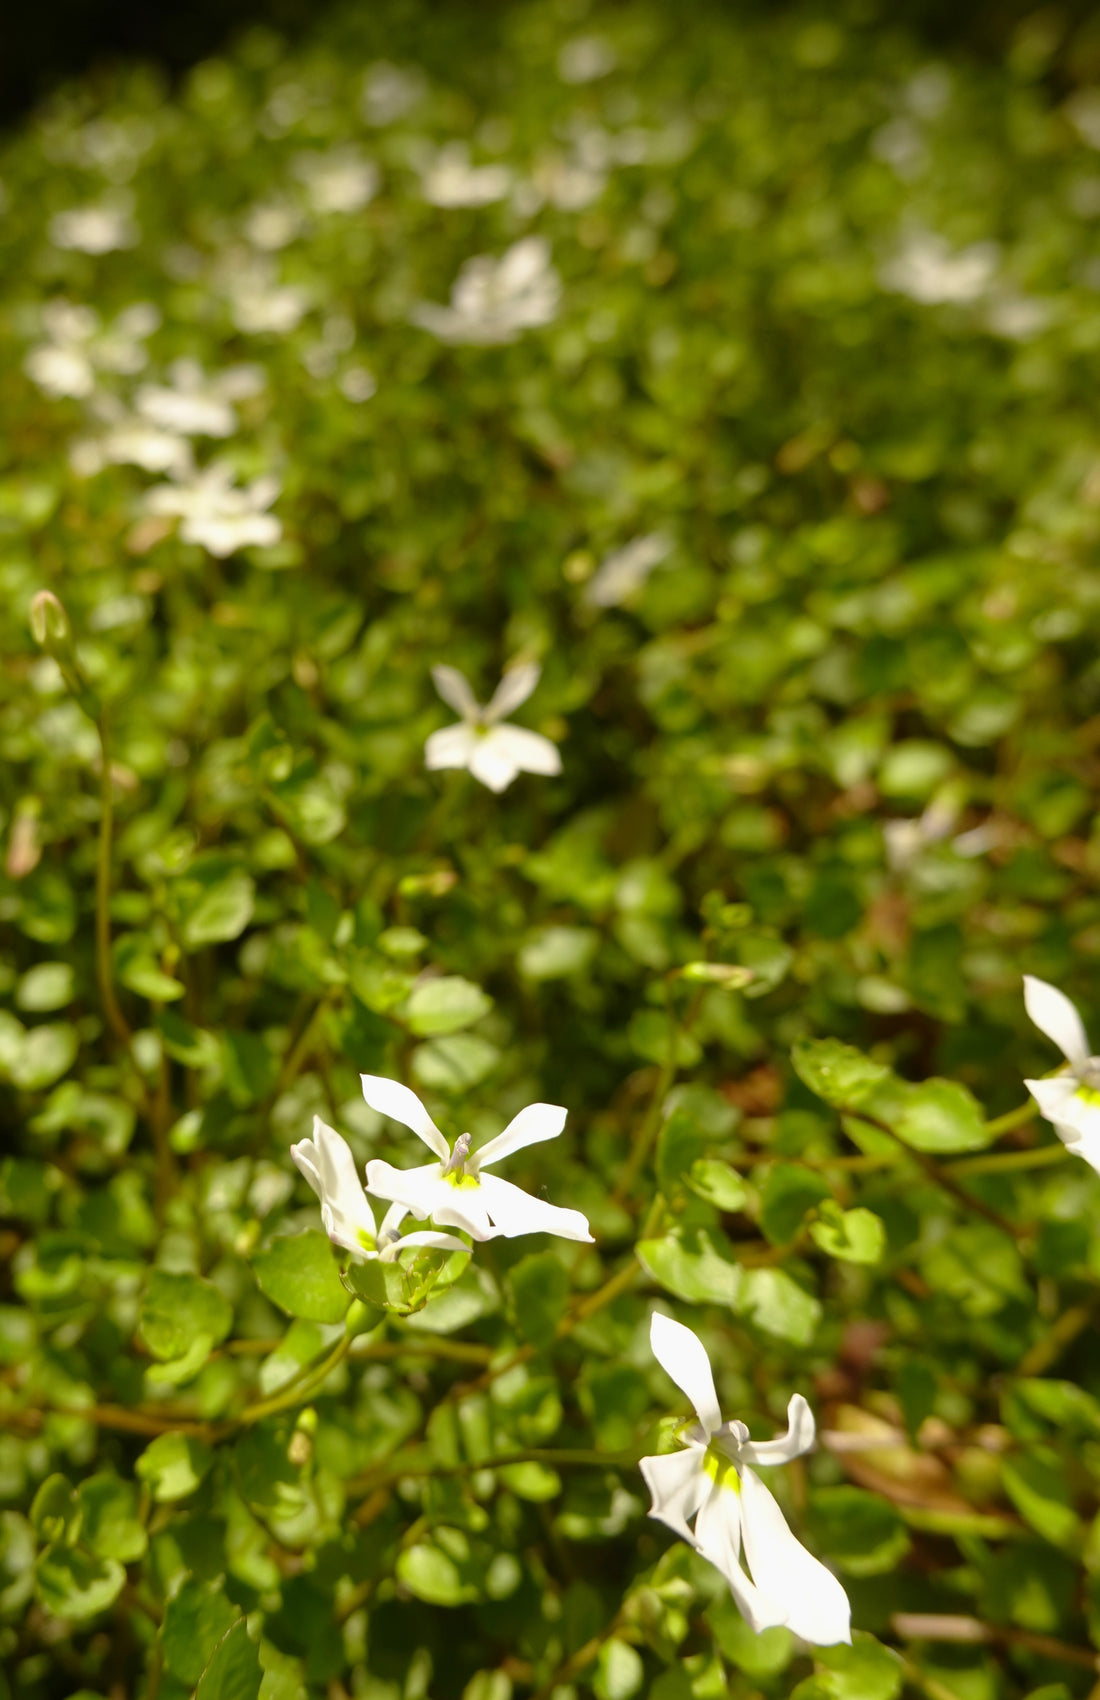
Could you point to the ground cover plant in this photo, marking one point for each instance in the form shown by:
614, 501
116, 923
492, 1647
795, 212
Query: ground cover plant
548, 570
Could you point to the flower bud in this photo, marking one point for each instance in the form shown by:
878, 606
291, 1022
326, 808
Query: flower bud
49, 622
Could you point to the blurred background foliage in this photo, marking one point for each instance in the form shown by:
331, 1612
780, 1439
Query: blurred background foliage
796, 499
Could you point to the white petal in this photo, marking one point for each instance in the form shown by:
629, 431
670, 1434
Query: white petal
535, 1123
718, 1539
1086, 1145
491, 760
464, 1208
438, 1242
454, 688
522, 263
529, 752
816, 1605
1074, 1109
683, 1357
1054, 1015
514, 688
392, 1099
416, 1189
451, 746
304, 1156
345, 1210
677, 1485
515, 1212
392, 1220
799, 1437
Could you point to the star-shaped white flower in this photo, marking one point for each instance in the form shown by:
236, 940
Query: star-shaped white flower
711, 1481
348, 1220
454, 1191
217, 514
493, 300
492, 752
1070, 1100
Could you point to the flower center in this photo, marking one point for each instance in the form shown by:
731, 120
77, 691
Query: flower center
366, 1240
721, 1469
454, 1169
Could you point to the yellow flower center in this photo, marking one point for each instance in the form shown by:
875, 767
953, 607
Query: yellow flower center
720, 1468
465, 1183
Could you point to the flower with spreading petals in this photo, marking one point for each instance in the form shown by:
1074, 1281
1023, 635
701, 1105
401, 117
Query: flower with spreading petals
493, 752
454, 1191
94, 230
450, 179
1070, 1100
193, 405
329, 1167
492, 300
712, 1481
218, 514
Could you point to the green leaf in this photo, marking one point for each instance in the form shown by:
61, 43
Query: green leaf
554, 952
192, 1046
53, 1509
659, 1039
939, 1116
436, 1576
196, 1618
454, 1064
540, 1287
173, 1465
234, 1671
1037, 1486
776, 1303
838, 1073
214, 900
139, 971
177, 1308
787, 1196
49, 985
859, 1533
620, 1671
445, 1005
718, 1184
37, 1056
109, 1522
74, 1584
299, 1273
864, 1671
759, 1655
692, 1268
854, 1236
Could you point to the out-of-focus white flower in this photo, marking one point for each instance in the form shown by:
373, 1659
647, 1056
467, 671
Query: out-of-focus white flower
193, 404
566, 182
389, 91
1083, 111
454, 1191
78, 346
624, 571
271, 225
217, 514
340, 181
905, 839
94, 230
927, 269
128, 440
259, 303
492, 752
1070, 1100
1016, 316
450, 179
585, 59
358, 383
711, 1480
348, 1220
493, 300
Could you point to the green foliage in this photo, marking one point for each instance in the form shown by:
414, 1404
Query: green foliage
787, 482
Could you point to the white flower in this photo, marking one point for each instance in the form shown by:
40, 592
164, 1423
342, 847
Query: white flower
928, 270
454, 1191
217, 514
624, 571
1071, 1100
78, 347
451, 180
129, 441
340, 181
93, 230
194, 405
492, 752
389, 91
260, 304
711, 1481
585, 59
329, 1167
493, 300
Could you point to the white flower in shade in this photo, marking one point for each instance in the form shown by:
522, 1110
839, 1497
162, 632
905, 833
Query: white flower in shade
625, 571
454, 1191
1070, 1100
259, 303
217, 514
94, 230
129, 441
492, 752
450, 179
194, 405
711, 1480
927, 269
78, 347
493, 300
348, 1220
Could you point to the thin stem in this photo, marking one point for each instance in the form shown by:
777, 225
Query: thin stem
1012, 1119
1005, 1162
115, 1018
941, 1177
296, 1392
920, 1626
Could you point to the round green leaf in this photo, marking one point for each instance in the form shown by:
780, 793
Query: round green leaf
175, 1309
299, 1274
